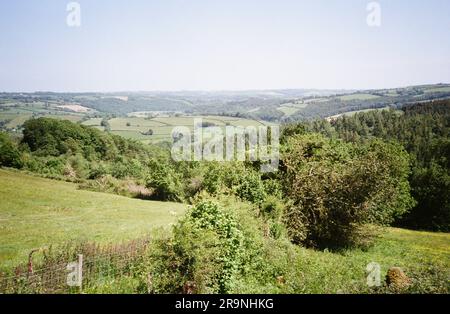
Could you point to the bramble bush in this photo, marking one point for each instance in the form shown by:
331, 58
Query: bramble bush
335, 188
206, 249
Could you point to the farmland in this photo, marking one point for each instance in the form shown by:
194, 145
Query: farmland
14, 113
161, 111
134, 127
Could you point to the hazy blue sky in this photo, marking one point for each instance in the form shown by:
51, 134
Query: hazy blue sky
228, 44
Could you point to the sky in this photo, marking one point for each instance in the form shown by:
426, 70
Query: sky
149, 45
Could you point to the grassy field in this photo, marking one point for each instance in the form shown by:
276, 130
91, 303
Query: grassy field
424, 256
133, 127
17, 114
352, 113
37, 212
445, 89
360, 96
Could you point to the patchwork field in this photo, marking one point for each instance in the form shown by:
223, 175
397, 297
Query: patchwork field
360, 96
13, 115
37, 212
352, 113
161, 127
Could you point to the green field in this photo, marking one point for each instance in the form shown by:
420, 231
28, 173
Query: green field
133, 127
352, 113
37, 212
17, 113
424, 256
288, 111
445, 89
360, 96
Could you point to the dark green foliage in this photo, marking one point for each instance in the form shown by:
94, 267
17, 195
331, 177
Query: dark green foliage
45, 136
432, 189
251, 188
335, 188
165, 182
9, 154
149, 132
423, 130
206, 249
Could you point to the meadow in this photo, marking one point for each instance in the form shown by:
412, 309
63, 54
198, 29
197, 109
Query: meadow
37, 212
135, 127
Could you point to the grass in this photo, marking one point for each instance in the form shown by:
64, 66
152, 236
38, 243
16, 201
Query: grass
18, 115
132, 127
352, 113
415, 252
424, 257
360, 96
445, 89
288, 111
37, 212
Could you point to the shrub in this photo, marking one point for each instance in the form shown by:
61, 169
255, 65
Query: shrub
251, 188
9, 154
337, 187
205, 252
272, 208
165, 182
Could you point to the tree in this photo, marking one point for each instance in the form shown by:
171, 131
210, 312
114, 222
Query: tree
9, 154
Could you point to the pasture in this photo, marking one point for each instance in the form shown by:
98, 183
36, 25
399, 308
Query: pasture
37, 212
135, 127
359, 96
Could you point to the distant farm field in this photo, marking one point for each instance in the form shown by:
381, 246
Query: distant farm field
438, 90
352, 113
138, 128
358, 97
37, 212
13, 115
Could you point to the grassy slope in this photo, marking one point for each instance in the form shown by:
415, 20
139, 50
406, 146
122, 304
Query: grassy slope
424, 256
36, 212
419, 254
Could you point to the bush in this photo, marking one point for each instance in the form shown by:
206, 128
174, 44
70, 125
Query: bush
165, 182
336, 188
9, 154
251, 188
205, 252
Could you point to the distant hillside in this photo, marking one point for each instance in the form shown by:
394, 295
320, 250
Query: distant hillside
286, 105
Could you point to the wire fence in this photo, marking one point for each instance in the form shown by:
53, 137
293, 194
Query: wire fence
74, 268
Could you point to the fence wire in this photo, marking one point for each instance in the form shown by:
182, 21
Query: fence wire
50, 274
